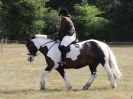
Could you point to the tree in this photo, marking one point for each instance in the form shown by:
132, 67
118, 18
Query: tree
22, 18
0, 4
88, 23
0, 19
58, 4
52, 22
107, 6
122, 21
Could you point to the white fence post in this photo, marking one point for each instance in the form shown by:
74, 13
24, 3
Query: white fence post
6, 41
2, 41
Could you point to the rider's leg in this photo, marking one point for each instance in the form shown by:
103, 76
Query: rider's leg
63, 54
67, 40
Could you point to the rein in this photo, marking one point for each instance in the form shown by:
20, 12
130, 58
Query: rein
47, 43
50, 46
42, 46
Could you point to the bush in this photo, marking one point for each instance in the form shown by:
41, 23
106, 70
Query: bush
52, 22
22, 18
88, 22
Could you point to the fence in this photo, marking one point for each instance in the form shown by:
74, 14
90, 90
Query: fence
1, 44
120, 43
6, 41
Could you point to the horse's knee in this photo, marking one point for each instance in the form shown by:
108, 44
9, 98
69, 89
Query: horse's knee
49, 68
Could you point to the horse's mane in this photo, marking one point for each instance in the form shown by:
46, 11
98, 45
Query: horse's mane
42, 36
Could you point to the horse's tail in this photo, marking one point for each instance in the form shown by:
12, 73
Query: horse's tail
113, 64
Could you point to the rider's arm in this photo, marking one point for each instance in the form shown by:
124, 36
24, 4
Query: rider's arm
62, 26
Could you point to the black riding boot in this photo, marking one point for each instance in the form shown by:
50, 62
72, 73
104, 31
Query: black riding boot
63, 55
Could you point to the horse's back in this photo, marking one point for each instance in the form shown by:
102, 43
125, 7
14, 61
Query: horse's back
97, 42
85, 52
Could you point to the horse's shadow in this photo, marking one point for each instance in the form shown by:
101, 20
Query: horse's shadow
30, 91
18, 91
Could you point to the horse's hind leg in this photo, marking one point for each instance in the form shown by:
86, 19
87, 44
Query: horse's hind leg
93, 76
44, 74
110, 73
64, 76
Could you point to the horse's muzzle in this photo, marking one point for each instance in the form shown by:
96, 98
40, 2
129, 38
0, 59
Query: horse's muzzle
31, 58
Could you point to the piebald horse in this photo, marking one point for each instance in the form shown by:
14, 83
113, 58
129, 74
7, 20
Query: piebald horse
86, 53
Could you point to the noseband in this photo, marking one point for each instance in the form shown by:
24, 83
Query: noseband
33, 55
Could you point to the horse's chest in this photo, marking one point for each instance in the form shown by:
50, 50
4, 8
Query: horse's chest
54, 54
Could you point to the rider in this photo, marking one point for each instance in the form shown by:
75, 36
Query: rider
67, 34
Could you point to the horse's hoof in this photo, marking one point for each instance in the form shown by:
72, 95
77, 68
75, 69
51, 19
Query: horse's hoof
85, 88
42, 88
114, 86
68, 89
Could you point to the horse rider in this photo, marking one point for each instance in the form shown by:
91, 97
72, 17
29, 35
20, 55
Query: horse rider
67, 34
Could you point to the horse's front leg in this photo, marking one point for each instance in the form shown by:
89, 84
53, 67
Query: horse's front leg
93, 76
64, 76
47, 70
89, 82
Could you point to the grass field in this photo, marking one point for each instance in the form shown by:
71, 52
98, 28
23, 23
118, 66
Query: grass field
19, 79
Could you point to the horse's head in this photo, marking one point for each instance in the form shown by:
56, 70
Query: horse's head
32, 50
34, 44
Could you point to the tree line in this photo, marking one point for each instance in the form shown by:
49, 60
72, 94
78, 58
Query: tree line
108, 20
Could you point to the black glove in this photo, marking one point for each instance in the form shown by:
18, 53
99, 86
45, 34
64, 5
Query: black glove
56, 38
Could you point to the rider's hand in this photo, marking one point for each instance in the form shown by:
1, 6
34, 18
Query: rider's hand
56, 38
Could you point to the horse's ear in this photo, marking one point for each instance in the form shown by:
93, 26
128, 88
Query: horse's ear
27, 39
33, 37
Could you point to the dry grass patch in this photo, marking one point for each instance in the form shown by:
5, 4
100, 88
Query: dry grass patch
19, 79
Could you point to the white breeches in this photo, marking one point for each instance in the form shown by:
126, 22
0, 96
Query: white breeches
68, 40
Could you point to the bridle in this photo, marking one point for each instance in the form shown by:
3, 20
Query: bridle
44, 45
33, 55
47, 43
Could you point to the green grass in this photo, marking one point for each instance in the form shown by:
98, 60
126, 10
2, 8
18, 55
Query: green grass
19, 79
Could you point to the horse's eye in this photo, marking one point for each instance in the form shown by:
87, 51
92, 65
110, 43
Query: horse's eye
28, 54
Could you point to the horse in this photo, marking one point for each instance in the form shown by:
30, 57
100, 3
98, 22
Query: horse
85, 53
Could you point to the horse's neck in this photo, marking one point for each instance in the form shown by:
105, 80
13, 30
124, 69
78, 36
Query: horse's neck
40, 42
46, 45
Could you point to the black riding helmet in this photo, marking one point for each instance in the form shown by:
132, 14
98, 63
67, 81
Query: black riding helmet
64, 12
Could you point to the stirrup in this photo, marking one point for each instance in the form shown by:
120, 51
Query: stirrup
62, 63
